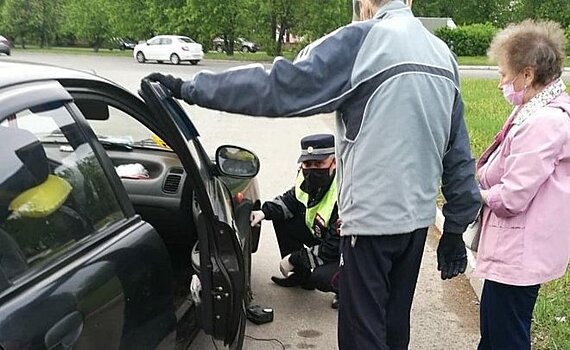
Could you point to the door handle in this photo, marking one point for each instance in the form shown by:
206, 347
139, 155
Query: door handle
64, 334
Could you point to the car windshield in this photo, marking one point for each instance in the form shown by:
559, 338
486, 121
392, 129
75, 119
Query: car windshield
186, 40
122, 131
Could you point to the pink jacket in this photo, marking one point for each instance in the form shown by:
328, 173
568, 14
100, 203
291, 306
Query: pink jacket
525, 237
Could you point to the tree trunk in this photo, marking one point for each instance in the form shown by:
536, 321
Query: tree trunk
282, 29
229, 44
97, 45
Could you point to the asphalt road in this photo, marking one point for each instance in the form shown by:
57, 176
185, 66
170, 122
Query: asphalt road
444, 314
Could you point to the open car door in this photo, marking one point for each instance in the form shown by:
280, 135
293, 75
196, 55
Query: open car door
221, 269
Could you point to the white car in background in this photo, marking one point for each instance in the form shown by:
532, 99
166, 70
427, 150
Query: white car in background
173, 48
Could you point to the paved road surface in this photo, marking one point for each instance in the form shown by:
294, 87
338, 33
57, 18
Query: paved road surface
444, 314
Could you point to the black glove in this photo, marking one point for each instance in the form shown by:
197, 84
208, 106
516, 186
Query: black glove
170, 82
451, 255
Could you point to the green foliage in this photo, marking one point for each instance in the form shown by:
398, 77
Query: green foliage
224, 20
551, 326
469, 40
92, 22
498, 12
22, 18
268, 22
322, 17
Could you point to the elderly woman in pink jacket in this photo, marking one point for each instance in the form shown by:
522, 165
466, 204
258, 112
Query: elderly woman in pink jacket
525, 184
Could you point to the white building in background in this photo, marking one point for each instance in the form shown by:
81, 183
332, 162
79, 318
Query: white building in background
434, 23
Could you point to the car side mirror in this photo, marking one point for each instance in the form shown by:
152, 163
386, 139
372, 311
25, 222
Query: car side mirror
236, 162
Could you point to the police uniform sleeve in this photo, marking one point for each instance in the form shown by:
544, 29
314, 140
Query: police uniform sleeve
283, 207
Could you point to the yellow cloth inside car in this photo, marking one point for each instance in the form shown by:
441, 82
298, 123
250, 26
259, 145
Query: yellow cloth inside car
43, 199
160, 142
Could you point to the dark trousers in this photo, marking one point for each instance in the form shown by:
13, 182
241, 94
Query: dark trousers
377, 282
505, 316
292, 235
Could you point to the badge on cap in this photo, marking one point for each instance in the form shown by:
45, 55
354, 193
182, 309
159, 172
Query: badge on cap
310, 149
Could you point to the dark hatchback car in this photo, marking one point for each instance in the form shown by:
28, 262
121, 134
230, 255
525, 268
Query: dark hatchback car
111, 238
122, 43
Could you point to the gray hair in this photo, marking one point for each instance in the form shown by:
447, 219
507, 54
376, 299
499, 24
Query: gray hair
536, 44
380, 3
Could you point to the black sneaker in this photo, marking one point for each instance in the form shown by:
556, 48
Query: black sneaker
334, 303
293, 280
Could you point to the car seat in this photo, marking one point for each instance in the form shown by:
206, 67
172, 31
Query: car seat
27, 191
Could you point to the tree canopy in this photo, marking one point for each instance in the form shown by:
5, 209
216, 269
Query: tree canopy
269, 22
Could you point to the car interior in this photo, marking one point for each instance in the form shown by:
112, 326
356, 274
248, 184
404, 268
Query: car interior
157, 185
40, 211
162, 197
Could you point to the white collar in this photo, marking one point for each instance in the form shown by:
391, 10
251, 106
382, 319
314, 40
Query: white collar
543, 98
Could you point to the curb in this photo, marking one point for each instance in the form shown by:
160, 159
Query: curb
476, 283
461, 67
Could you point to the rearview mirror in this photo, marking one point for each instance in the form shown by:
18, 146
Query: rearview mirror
236, 162
93, 109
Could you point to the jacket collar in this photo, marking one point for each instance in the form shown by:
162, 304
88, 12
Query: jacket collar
394, 5
543, 98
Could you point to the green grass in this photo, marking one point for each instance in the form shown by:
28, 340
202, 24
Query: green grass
473, 61
74, 51
484, 61
485, 111
551, 324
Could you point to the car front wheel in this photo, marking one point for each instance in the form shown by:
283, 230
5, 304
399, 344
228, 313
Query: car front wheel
174, 59
140, 57
245, 49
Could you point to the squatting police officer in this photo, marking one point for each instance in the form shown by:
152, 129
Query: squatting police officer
306, 220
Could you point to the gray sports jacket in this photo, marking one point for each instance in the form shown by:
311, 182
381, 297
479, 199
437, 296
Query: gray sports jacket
400, 126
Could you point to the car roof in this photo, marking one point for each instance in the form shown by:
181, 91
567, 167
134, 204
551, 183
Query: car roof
15, 72
169, 36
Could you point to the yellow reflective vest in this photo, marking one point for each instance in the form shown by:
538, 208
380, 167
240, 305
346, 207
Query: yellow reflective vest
318, 216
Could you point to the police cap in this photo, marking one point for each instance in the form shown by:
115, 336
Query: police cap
316, 147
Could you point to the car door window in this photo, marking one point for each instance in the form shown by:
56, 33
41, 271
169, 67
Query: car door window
54, 194
155, 41
165, 41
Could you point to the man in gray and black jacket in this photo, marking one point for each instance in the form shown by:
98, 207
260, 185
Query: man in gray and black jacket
400, 134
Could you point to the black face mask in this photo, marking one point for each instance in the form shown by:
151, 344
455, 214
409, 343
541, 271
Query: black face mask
317, 181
